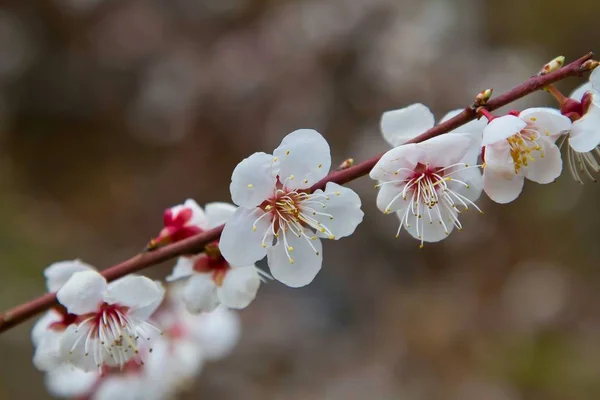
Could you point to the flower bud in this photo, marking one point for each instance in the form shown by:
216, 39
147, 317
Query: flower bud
553, 65
483, 97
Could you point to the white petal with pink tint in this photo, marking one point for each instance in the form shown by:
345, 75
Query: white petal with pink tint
83, 292
58, 273
252, 180
200, 294
218, 213
502, 128
239, 287
402, 125
295, 262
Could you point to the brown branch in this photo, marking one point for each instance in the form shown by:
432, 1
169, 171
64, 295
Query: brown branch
196, 243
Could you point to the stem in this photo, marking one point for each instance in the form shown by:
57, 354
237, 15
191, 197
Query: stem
557, 94
195, 244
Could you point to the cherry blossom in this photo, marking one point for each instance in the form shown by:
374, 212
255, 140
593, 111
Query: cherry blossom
519, 147
112, 319
429, 184
212, 280
278, 218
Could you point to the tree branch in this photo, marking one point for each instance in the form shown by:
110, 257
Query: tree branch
196, 243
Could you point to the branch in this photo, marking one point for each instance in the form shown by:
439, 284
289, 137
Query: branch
196, 243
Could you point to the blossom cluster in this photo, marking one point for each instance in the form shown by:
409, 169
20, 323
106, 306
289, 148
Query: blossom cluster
134, 338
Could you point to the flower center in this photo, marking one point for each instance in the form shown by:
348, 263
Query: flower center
522, 145
212, 261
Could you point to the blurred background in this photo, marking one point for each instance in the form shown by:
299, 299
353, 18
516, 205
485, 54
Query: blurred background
112, 111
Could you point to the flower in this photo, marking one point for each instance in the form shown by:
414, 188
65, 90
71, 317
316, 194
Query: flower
519, 147
48, 330
66, 381
180, 222
212, 280
112, 319
274, 204
428, 183
583, 108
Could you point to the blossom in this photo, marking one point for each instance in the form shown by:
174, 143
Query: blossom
180, 222
519, 147
212, 280
66, 381
112, 319
279, 217
583, 108
428, 184
48, 330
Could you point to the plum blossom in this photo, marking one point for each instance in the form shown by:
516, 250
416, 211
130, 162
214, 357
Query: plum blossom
279, 217
429, 184
111, 319
48, 330
67, 381
519, 147
180, 222
212, 280
583, 108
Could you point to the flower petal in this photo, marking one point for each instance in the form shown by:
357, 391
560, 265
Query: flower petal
252, 180
47, 352
502, 186
304, 265
217, 332
218, 213
67, 381
431, 229
200, 294
304, 158
397, 164
444, 150
73, 347
502, 128
578, 93
40, 328
239, 287
389, 198
83, 292
595, 79
472, 177
198, 217
58, 273
404, 124
585, 133
476, 126
547, 169
135, 292
240, 244
341, 213
547, 121
182, 269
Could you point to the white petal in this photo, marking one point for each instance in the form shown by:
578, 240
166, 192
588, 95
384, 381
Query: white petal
547, 121
126, 387
218, 213
476, 126
547, 169
67, 381
580, 91
198, 217
83, 292
388, 199
239, 287
595, 79
252, 180
585, 133
397, 164
137, 293
472, 177
502, 186
400, 126
305, 155
239, 243
217, 332
200, 294
444, 150
58, 273
306, 261
182, 269
502, 128
47, 354
72, 348
431, 229
41, 325
343, 204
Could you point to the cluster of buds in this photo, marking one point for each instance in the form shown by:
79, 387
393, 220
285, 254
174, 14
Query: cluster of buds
136, 336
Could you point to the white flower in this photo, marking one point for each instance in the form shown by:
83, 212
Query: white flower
112, 319
212, 280
66, 381
274, 204
180, 222
428, 183
584, 137
521, 147
400, 126
48, 330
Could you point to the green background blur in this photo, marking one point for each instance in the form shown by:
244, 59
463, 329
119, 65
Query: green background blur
113, 110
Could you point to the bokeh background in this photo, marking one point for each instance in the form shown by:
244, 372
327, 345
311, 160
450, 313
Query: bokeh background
113, 110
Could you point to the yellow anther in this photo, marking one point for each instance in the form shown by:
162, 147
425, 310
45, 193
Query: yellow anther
287, 152
331, 237
250, 186
533, 119
306, 181
254, 229
275, 159
320, 166
291, 260
313, 238
263, 245
291, 177
290, 248
338, 193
